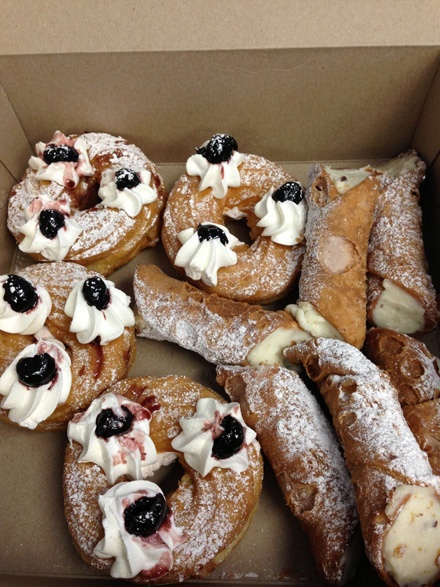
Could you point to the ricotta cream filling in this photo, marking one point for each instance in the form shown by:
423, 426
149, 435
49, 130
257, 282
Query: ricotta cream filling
346, 179
270, 350
411, 547
311, 321
398, 310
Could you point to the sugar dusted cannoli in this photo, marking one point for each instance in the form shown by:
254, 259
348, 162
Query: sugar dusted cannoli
332, 285
401, 295
218, 329
397, 495
303, 451
414, 372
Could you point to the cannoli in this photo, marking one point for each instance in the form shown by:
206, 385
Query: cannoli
397, 495
332, 285
304, 453
400, 292
218, 329
414, 372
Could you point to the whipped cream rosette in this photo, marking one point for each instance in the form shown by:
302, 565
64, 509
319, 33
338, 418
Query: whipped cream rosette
23, 307
282, 214
216, 163
139, 530
63, 160
36, 382
215, 436
49, 228
205, 250
98, 309
115, 435
126, 189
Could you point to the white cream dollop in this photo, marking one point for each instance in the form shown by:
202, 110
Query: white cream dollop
131, 200
52, 249
28, 406
88, 322
284, 221
65, 173
135, 554
130, 453
218, 176
202, 259
196, 440
28, 322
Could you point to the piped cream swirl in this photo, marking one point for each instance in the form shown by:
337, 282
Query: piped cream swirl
201, 259
130, 453
88, 322
199, 431
29, 406
218, 176
28, 322
132, 199
283, 221
150, 555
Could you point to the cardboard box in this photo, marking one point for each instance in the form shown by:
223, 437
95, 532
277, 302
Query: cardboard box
296, 82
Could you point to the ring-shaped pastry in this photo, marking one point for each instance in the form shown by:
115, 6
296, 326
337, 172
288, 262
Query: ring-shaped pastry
229, 184
208, 512
93, 199
47, 374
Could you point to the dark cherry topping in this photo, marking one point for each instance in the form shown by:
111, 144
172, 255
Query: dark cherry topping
50, 222
218, 149
96, 293
126, 178
20, 294
207, 232
145, 516
291, 191
60, 153
37, 370
110, 424
230, 441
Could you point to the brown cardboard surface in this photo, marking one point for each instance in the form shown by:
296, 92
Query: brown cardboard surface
53, 26
302, 82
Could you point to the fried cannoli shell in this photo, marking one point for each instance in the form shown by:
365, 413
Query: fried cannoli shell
389, 470
218, 329
333, 278
304, 453
396, 251
414, 372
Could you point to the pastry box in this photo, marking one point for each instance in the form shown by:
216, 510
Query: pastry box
295, 82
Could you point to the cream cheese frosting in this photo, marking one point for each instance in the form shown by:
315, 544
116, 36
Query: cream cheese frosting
130, 199
200, 431
90, 321
32, 319
129, 451
28, 406
200, 257
65, 173
150, 555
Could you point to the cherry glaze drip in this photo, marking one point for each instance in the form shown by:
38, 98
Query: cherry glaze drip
126, 178
230, 440
20, 294
60, 153
96, 293
110, 424
207, 232
37, 370
50, 222
291, 190
145, 516
219, 148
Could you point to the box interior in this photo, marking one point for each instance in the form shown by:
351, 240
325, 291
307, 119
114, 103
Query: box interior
340, 105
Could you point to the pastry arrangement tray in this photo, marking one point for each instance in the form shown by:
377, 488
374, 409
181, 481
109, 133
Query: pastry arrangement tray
34, 540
